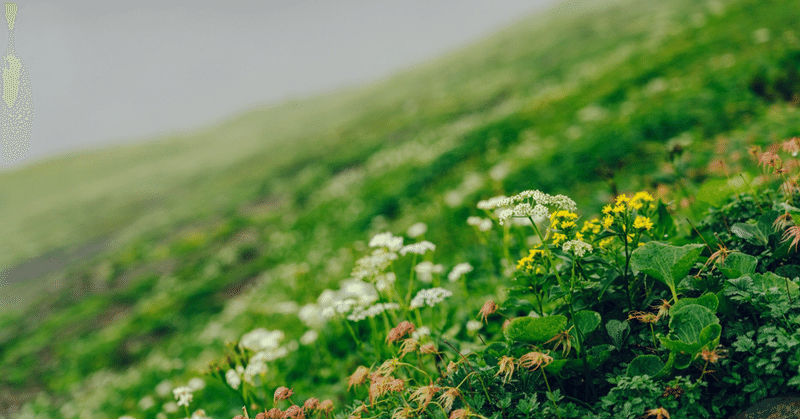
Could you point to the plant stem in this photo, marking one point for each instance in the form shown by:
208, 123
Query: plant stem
551, 393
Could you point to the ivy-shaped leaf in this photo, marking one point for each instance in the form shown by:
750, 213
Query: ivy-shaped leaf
586, 321
535, 329
618, 331
669, 264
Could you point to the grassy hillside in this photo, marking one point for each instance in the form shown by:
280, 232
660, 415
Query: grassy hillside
202, 237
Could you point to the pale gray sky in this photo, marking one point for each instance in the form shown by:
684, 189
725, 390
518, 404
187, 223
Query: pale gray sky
116, 71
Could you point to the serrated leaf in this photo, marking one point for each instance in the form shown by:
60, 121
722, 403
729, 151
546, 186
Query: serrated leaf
669, 264
645, 365
535, 329
738, 264
618, 331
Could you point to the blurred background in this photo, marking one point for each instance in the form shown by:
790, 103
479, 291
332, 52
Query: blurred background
200, 170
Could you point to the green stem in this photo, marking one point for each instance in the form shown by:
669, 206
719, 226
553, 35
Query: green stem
555, 406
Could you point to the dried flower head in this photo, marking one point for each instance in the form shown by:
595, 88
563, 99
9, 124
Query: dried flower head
562, 339
534, 360
663, 309
359, 377
794, 234
451, 367
274, 413
402, 413
294, 412
358, 411
792, 146
423, 395
676, 392
326, 406
402, 329
449, 397
459, 414
643, 316
311, 404
659, 413
488, 308
506, 367
282, 393
386, 368
712, 356
409, 345
428, 348
381, 385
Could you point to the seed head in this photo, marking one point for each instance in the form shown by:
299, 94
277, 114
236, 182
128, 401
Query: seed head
424, 395
282, 393
294, 412
534, 360
448, 397
400, 331
659, 413
506, 365
326, 406
488, 308
359, 377
311, 404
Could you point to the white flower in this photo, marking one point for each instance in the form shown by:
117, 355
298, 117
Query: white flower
170, 407
163, 388
260, 339
474, 325
426, 269
505, 215
577, 247
422, 331
418, 248
309, 337
196, 383
541, 212
254, 367
492, 203
233, 379
360, 313
430, 297
386, 240
384, 282
523, 210
563, 202
459, 271
417, 230
183, 395
485, 225
146, 402
372, 265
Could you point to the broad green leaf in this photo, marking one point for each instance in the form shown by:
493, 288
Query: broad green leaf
494, 352
618, 331
716, 191
738, 264
753, 233
788, 271
556, 366
516, 304
665, 225
686, 324
586, 321
645, 365
667, 263
768, 282
708, 300
535, 329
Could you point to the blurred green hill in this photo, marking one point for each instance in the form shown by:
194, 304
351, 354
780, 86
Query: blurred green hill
156, 241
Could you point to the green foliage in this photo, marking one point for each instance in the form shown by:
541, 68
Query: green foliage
669, 264
535, 329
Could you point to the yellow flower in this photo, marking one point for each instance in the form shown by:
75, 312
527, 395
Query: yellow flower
579, 236
643, 196
607, 209
642, 222
608, 221
635, 204
567, 224
558, 238
618, 209
605, 243
622, 198
630, 238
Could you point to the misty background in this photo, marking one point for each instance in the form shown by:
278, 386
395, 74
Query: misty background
105, 73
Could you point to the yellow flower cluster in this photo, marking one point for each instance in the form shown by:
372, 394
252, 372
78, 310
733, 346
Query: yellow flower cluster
529, 263
622, 211
642, 222
563, 221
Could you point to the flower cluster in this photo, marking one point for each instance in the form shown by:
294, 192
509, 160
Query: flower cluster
429, 297
359, 313
577, 247
531, 263
626, 219
458, 271
528, 204
482, 224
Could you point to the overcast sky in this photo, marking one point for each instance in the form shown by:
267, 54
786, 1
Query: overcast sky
117, 71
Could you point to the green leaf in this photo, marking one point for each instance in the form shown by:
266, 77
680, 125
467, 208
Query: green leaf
556, 366
708, 300
754, 233
586, 321
517, 304
686, 324
738, 264
618, 331
716, 191
645, 365
769, 281
666, 225
788, 271
669, 264
535, 329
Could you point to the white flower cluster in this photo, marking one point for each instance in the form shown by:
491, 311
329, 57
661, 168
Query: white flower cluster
267, 347
579, 248
387, 240
384, 282
359, 313
426, 269
234, 377
183, 395
458, 271
418, 248
540, 198
429, 297
492, 203
417, 230
483, 224
352, 293
368, 267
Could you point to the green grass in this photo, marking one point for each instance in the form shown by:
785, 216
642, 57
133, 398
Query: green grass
265, 207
